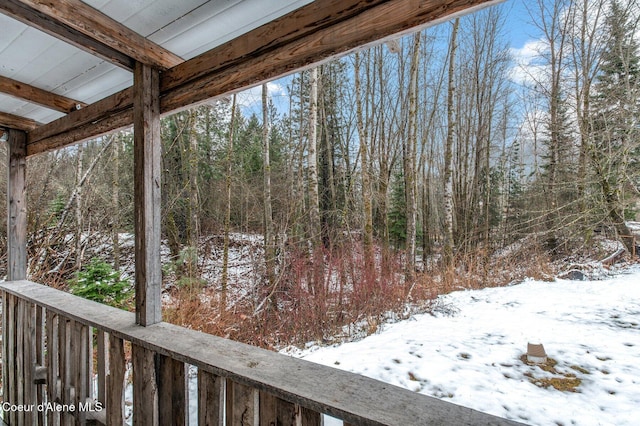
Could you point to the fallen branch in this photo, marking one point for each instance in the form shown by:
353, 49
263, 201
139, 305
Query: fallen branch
613, 258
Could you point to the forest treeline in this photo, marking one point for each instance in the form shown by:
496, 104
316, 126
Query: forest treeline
409, 155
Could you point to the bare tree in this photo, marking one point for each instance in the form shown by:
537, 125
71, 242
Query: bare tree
227, 214
448, 152
312, 164
367, 202
409, 163
269, 234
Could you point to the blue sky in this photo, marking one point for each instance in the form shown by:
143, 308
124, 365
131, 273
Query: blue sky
520, 29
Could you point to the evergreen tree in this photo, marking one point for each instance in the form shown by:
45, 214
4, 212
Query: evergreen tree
616, 110
398, 212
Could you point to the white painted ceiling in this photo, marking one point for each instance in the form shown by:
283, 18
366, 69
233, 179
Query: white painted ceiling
184, 27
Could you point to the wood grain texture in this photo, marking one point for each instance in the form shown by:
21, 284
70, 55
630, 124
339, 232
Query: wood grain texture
268, 409
102, 366
115, 382
17, 206
10, 335
242, 405
147, 148
172, 392
6, 338
20, 362
52, 363
11, 121
94, 113
39, 96
29, 356
118, 121
145, 387
354, 398
97, 26
42, 22
211, 390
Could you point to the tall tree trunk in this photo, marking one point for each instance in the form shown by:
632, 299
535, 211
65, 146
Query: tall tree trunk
312, 160
448, 152
115, 201
409, 162
194, 203
269, 235
367, 202
227, 214
78, 192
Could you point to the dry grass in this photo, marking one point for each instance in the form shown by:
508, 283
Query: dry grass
337, 297
562, 381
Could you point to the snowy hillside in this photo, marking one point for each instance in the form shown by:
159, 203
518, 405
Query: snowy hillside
470, 351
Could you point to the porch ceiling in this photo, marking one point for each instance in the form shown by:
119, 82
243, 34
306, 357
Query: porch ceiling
59, 58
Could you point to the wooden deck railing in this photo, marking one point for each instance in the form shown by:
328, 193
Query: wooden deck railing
64, 363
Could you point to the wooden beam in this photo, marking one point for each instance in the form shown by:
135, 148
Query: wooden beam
220, 71
91, 130
39, 96
97, 26
16, 122
147, 171
318, 32
16, 206
97, 111
42, 22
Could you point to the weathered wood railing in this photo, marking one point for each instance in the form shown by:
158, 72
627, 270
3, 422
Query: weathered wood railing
55, 343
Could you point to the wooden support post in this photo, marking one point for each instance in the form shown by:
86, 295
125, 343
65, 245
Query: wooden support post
16, 207
147, 149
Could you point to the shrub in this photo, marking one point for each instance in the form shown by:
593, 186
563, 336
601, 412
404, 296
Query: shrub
98, 281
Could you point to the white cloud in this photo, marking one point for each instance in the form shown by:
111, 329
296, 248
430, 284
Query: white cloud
529, 67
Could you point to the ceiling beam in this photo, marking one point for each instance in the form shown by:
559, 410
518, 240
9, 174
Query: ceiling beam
322, 31
15, 122
318, 32
29, 16
99, 27
39, 96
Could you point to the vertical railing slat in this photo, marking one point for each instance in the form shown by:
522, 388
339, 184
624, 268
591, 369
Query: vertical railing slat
210, 399
102, 367
242, 405
80, 370
13, 355
53, 366
28, 354
5, 344
308, 417
172, 392
39, 359
145, 388
269, 409
115, 382
64, 348
277, 411
20, 360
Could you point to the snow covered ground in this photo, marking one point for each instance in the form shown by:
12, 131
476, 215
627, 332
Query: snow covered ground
469, 352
